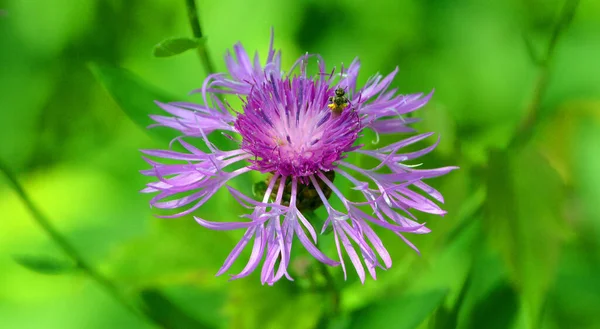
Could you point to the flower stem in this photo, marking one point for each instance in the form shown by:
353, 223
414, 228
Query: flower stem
525, 130
197, 31
66, 247
331, 287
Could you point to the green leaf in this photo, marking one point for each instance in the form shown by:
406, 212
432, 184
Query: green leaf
404, 312
341, 321
204, 303
175, 261
166, 313
252, 305
574, 300
523, 221
135, 97
44, 264
446, 317
497, 310
175, 46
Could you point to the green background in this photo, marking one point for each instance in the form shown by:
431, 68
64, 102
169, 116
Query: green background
519, 247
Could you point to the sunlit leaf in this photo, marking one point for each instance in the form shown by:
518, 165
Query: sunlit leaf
187, 253
404, 312
523, 221
573, 79
562, 130
175, 46
44, 264
135, 97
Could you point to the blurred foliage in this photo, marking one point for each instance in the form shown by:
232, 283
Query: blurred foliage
175, 46
44, 264
519, 248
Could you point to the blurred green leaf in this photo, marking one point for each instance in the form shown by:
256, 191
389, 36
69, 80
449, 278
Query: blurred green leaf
44, 264
164, 312
523, 221
252, 305
135, 97
574, 299
469, 210
203, 303
573, 79
497, 310
445, 317
182, 257
403, 312
175, 46
341, 321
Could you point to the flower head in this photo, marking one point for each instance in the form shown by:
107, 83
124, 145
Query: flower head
289, 130
298, 128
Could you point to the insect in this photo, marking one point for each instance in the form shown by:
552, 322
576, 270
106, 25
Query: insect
338, 102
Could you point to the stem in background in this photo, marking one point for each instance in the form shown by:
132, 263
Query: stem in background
525, 130
197, 31
331, 288
66, 247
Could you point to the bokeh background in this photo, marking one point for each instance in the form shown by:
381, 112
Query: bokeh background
519, 247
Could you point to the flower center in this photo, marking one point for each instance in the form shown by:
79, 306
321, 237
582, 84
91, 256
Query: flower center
290, 129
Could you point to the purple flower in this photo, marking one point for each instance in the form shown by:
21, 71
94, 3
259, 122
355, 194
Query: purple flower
298, 128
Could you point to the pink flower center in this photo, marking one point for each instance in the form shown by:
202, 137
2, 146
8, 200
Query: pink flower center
290, 129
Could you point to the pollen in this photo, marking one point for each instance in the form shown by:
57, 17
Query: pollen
279, 141
336, 107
